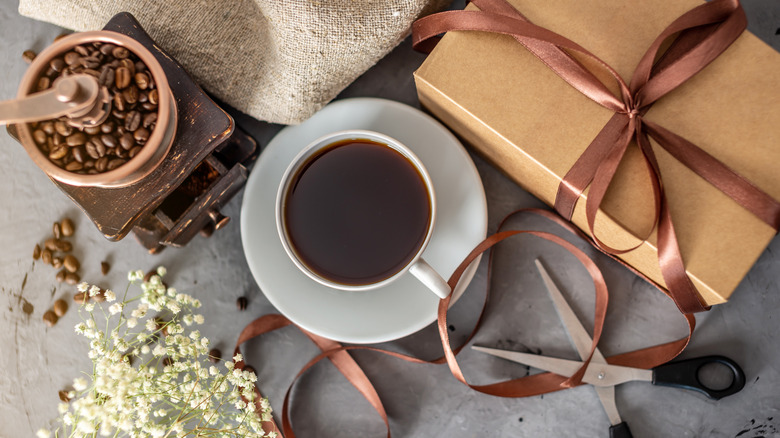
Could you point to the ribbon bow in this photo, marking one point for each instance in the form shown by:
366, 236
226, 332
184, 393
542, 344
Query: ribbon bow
702, 34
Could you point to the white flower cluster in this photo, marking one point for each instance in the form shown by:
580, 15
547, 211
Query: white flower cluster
171, 392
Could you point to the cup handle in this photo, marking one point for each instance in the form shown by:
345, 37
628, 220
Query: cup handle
430, 278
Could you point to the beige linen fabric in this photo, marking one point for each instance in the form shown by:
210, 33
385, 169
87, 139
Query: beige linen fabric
276, 60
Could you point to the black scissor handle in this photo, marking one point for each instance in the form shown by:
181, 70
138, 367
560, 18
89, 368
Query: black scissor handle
685, 374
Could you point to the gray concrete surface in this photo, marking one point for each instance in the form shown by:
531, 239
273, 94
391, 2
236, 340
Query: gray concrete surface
421, 400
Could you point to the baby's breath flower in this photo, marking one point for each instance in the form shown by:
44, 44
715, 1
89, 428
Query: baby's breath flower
115, 308
43, 433
82, 287
79, 383
238, 357
150, 398
161, 271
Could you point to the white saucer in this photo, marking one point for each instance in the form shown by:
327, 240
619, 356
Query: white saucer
404, 306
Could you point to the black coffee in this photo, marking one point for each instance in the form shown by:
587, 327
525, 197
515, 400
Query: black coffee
357, 212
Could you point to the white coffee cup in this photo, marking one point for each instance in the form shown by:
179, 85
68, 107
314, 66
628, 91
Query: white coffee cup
416, 266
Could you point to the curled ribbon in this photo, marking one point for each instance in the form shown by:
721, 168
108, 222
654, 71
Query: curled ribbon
702, 34
523, 387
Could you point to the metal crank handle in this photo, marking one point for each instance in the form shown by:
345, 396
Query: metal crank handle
685, 374
620, 430
73, 96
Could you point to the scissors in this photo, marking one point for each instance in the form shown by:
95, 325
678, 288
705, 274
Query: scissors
604, 377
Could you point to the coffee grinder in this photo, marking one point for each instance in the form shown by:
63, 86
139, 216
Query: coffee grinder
192, 164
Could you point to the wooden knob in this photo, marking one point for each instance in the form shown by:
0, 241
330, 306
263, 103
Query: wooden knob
218, 219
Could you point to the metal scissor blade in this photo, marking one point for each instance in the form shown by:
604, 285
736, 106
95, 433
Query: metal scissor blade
597, 374
579, 336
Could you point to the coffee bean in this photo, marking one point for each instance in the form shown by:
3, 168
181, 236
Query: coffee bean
113, 164
67, 227
74, 166
104, 267
47, 127
126, 141
28, 56
150, 119
39, 136
122, 78
107, 127
72, 58
63, 395
90, 62
154, 97
101, 164
56, 230
241, 303
72, 278
44, 83
148, 106
134, 151
132, 122
57, 64
106, 49
215, 355
56, 262
79, 154
63, 128
37, 252
60, 277
95, 148
142, 80
71, 263
76, 139
108, 140
46, 256
89, 165
120, 52
58, 245
131, 94
250, 369
119, 115
107, 77
60, 307
141, 135
50, 318
81, 50
81, 297
119, 103
58, 152
58, 139
92, 130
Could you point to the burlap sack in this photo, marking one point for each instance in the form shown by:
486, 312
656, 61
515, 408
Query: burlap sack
276, 60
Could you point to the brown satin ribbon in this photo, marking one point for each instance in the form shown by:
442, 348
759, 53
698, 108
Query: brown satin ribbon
523, 387
700, 36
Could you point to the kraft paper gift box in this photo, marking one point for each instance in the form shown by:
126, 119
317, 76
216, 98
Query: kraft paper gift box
520, 116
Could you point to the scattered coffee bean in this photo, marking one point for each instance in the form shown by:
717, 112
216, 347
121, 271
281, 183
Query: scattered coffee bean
167, 361
46, 256
50, 318
71, 263
56, 262
100, 296
64, 396
215, 355
56, 230
67, 227
104, 267
37, 252
60, 307
81, 297
241, 303
72, 278
129, 358
250, 368
28, 56
60, 277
